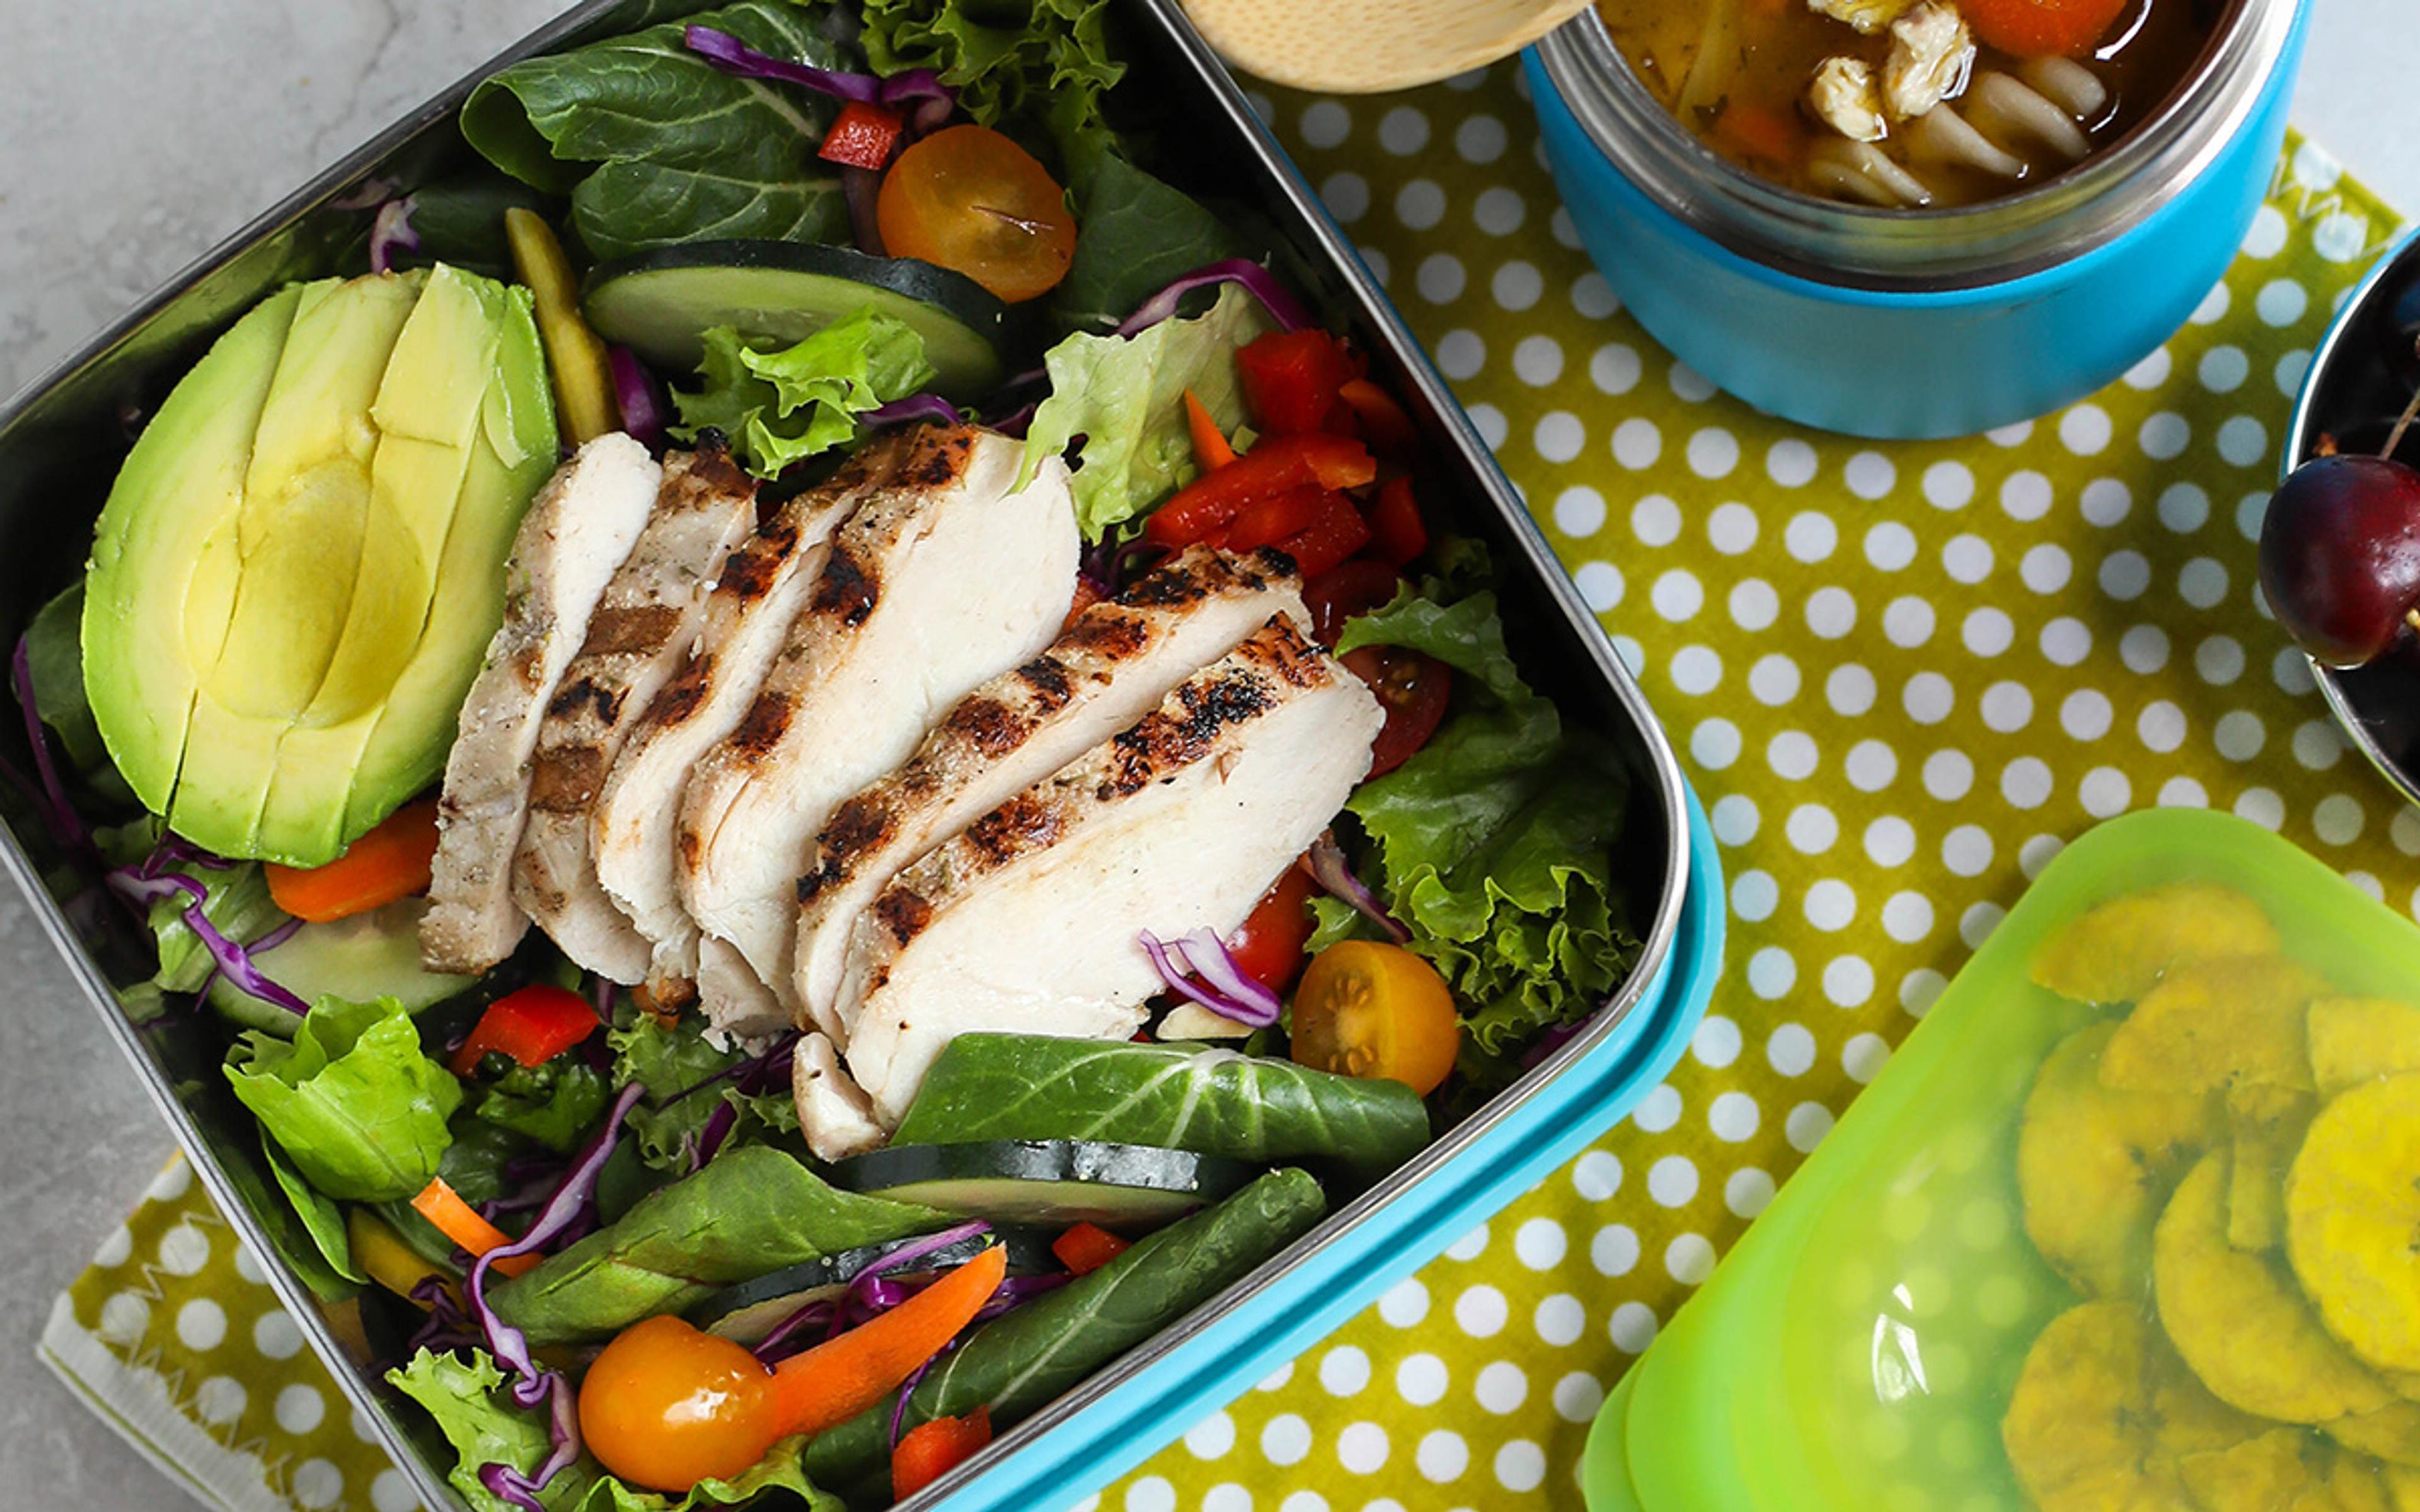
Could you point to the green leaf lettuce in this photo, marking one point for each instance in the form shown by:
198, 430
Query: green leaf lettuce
779, 407
351, 1100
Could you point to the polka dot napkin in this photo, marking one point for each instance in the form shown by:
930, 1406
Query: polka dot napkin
1901, 677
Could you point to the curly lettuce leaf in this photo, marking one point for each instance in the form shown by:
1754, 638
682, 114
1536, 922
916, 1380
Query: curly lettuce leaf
655, 146
685, 1076
1045, 63
1494, 843
554, 1105
779, 407
351, 1100
466, 1399
1124, 396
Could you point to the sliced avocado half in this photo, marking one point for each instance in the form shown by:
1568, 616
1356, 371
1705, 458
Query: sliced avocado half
303, 558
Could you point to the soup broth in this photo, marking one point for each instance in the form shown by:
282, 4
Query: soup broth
1910, 103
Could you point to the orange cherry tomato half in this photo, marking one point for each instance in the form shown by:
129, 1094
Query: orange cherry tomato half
1376, 1011
970, 200
665, 1406
1268, 947
1413, 689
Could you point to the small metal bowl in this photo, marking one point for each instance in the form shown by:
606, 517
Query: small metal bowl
2361, 376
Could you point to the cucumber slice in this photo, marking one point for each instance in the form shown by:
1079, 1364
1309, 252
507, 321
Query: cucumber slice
752, 1310
358, 959
661, 303
1051, 1183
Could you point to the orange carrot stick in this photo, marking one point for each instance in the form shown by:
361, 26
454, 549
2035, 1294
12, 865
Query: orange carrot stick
461, 1222
1211, 447
843, 1377
390, 862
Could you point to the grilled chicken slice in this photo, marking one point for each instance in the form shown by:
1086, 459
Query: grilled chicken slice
1112, 665
644, 629
760, 589
1026, 922
578, 530
944, 579
833, 1114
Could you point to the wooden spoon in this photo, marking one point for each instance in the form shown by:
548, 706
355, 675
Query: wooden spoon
1367, 46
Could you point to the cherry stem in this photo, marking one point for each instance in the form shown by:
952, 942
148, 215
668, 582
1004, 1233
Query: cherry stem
2402, 424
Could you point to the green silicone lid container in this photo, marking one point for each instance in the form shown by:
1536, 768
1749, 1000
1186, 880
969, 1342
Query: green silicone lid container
1857, 1351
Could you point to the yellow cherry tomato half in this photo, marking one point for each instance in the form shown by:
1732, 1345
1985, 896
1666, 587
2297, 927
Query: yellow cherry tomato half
1374, 1011
665, 1406
970, 200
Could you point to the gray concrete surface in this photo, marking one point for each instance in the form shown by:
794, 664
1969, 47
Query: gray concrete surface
139, 133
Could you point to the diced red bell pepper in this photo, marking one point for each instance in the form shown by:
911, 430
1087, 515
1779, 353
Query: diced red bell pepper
1335, 534
1277, 465
1086, 1247
1291, 379
931, 1450
533, 1026
1272, 520
1384, 424
1397, 533
862, 136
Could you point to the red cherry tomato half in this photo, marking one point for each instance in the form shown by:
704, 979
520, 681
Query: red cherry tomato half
1355, 588
1270, 946
1413, 689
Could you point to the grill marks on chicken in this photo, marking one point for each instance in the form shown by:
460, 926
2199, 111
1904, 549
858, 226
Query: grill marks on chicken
937, 582
577, 533
641, 633
1177, 822
1113, 664
762, 588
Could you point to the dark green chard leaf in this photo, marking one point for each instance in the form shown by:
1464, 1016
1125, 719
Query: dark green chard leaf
352, 1101
780, 406
465, 1396
1019, 1363
323, 1218
1214, 1102
54, 660
1124, 396
554, 1105
1135, 236
749, 1212
1494, 843
655, 146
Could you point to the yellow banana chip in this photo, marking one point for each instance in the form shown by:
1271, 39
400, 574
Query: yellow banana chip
2214, 1024
2402, 1488
2353, 1219
2266, 1123
2356, 1039
2238, 1319
2260, 1474
2093, 1164
2079, 1424
2118, 951
2353, 1486
2392, 1433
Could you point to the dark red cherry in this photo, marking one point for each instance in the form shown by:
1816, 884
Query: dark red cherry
2340, 555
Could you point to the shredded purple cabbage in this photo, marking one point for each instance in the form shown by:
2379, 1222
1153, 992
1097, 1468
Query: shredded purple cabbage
934, 100
774, 1347
392, 232
1550, 1042
144, 885
58, 815
638, 396
1334, 874
908, 1389
717, 1128
573, 1204
861, 190
447, 1327
1014, 422
364, 195
1257, 281
915, 408
1224, 989
732, 55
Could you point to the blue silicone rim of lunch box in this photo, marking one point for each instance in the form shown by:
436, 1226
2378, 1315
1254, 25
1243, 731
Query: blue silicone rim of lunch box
1207, 1368
1912, 365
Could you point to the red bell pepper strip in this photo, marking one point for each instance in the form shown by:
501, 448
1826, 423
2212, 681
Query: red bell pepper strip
1086, 1247
1292, 378
1397, 533
931, 1450
1384, 424
533, 1026
1335, 534
862, 136
1273, 521
1277, 465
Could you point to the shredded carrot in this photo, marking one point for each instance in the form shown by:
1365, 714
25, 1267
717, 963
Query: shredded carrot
390, 862
1211, 447
1761, 132
843, 1377
461, 1222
